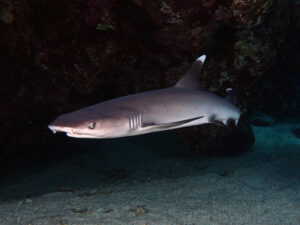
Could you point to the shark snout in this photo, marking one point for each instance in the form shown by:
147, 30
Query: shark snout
52, 128
63, 123
71, 132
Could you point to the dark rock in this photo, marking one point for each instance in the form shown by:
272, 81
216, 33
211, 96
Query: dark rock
214, 140
260, 123
261, 120
296, 131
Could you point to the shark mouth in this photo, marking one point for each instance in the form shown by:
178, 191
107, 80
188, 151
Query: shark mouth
55, 129
80, 135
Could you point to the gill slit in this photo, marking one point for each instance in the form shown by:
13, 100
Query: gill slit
135, 121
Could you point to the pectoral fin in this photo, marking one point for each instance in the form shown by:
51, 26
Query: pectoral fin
163, 126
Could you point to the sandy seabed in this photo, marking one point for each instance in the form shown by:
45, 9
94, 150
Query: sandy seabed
258, 187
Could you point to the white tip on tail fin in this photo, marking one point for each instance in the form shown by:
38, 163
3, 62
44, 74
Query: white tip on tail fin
190, 78
228, 90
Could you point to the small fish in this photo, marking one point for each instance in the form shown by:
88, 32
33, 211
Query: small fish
182, 105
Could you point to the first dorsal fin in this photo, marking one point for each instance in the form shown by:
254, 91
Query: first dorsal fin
190, 78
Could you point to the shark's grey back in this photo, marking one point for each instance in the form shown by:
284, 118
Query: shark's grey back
165, 105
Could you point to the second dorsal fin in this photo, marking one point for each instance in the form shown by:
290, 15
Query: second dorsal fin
190, 78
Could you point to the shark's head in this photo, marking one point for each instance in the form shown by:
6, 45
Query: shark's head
82, 124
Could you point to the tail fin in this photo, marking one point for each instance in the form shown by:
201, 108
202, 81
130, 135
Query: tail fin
232, 96
229, 96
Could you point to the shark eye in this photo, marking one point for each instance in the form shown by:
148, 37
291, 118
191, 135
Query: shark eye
92, 125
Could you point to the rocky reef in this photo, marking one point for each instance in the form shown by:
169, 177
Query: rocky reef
57, 56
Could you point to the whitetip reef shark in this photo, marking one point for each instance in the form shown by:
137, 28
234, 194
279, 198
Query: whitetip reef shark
182, 105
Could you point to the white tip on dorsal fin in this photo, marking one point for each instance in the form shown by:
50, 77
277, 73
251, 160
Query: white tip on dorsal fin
190, 78
201, 58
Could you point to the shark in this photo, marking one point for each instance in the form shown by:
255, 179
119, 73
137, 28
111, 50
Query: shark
182, 105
